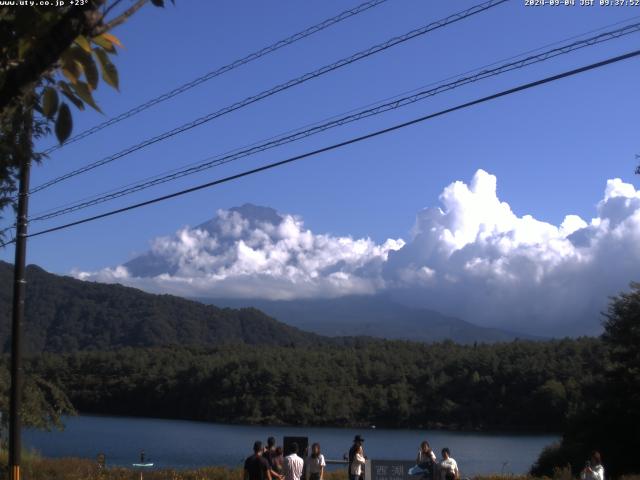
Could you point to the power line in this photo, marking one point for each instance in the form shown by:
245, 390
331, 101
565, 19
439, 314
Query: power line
222, 70
368, 112
394, 97
333, 117
335, 146
278, 88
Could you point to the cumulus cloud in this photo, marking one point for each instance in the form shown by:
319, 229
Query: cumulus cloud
254, 252
472, 257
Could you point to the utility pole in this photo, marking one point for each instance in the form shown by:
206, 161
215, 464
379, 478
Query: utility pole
17, 319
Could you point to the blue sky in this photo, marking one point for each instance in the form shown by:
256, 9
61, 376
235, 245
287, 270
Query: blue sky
552, 149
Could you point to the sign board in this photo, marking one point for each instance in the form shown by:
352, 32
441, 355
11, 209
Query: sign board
389, 470
303, 442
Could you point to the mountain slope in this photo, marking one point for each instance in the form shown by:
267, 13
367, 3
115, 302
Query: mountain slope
64, 314
376, 316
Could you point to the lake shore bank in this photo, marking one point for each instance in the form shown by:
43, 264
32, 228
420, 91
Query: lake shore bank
185, 444
432, 426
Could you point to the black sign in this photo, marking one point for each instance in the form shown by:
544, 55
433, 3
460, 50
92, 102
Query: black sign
303, 443
391, 470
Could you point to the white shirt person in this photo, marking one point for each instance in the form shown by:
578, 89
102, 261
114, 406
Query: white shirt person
315, 464
425, 454
357, 465
594, 469
448, 466
293, 464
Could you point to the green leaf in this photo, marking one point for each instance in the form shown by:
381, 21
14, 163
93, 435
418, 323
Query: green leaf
83, 63
83, 43
71, 67
103, 42
108, 69
113, 39
84, 92
91, 73
90, 69
71, 75
49, 102
67, 92
64, 123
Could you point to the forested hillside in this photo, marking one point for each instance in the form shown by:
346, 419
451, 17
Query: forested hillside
515, 386
64, 315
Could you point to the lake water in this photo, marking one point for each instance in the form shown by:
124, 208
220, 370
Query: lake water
183, 444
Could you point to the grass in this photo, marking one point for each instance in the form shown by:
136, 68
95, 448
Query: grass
35, 467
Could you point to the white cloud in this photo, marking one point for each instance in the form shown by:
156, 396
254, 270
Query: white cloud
490, 266
254, 252
472, 257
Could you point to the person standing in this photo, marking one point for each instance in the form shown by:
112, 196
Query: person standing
425, 454
256, 466
293, 464
594, 469
270, 451
449, 467
270, 456
278, 463
358, 441
426, 461
357, 465
315, 464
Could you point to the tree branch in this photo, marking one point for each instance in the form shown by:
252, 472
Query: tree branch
120, 19
109, 8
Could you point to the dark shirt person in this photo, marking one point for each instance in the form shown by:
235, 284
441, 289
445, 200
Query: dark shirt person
358, 441
256, 466
270, 454
278, 462
270, 451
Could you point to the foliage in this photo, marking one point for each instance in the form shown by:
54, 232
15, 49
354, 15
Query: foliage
44, 402
51, 57
550, 460
396, 384
78, 67
17, 131
609, 419
65, 314
61, 52
206, 363
84, 469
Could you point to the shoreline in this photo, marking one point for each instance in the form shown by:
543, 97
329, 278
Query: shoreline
436, 427
192, 444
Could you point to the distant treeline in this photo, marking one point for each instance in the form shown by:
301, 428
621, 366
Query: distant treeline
512, 386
